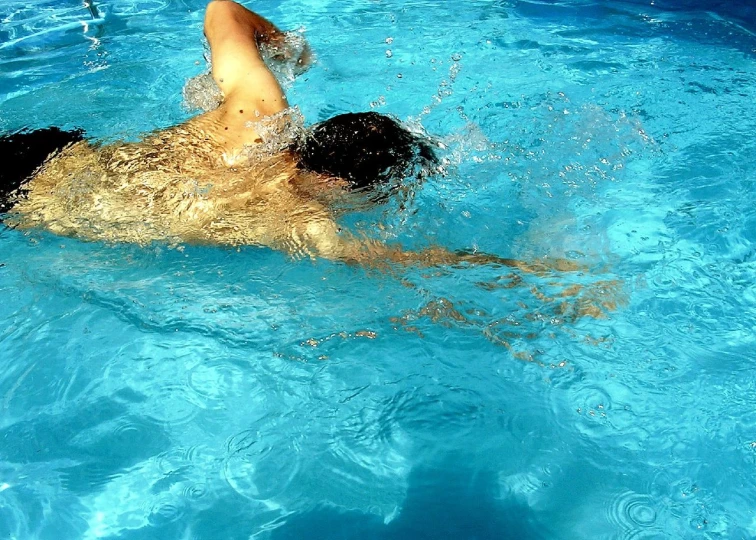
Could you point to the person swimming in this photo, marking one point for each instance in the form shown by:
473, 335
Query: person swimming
203, 182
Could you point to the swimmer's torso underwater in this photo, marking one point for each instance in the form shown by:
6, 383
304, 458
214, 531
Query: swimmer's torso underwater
231, 176
243, 173
174, 186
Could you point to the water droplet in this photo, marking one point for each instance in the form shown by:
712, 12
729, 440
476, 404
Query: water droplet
389, 54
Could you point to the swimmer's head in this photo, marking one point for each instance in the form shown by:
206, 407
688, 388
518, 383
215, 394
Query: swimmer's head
365, 149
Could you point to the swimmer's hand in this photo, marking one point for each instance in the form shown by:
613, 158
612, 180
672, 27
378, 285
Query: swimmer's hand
288, 48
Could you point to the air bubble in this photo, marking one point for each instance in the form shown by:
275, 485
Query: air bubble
201, 93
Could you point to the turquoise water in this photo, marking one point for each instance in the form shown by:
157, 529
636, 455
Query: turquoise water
207, 393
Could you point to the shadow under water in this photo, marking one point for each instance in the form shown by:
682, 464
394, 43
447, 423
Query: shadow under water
443, 500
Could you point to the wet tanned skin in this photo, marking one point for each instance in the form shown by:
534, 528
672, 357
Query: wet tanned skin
197, 182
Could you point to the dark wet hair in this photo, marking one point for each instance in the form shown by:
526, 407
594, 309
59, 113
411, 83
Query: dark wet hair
367, 150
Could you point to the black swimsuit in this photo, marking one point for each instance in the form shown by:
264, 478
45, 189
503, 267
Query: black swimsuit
22, 152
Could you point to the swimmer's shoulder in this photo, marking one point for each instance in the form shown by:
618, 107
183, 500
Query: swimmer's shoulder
237, 137
228, 127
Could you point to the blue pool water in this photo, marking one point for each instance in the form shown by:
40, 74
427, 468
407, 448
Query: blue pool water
207, 393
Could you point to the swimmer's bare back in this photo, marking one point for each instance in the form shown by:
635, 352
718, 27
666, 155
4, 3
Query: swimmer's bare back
172, 188
192, 184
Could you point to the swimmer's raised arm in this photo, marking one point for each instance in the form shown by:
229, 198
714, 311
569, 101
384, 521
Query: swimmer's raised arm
234, 33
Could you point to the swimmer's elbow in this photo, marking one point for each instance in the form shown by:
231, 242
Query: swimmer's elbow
226, 18
327, 241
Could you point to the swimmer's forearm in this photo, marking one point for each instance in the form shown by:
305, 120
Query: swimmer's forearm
538, 266
437, 256
285, 47
229, 14
235, 35
374, 253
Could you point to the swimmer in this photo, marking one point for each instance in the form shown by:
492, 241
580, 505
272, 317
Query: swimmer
201, 181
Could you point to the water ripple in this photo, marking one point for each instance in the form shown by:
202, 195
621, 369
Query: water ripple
634, 514
140, 7
156, 387
162, 513
257, 470
215, 381
172, 404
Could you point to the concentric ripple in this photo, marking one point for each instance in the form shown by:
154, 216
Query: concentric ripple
172, 404
215, 381
634, 514
257, 470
